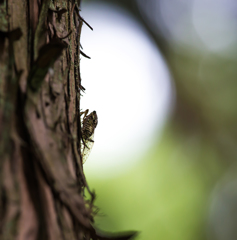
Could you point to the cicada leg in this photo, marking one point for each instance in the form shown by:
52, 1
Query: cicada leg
85, 113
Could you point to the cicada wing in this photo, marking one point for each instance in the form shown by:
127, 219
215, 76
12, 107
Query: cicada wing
86, 148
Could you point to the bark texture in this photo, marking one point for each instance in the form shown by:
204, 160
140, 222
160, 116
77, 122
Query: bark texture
42, 184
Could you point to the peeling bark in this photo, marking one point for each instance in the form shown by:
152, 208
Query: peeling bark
42, 183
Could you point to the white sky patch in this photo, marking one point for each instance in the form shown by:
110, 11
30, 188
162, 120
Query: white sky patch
127, 84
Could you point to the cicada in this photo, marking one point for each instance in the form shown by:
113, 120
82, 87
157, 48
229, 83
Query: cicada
89, 123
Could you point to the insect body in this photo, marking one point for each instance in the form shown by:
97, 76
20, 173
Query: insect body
89, 123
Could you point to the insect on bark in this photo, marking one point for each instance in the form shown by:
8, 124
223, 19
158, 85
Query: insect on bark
89, 123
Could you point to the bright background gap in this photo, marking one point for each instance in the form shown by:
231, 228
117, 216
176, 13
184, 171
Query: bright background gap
127, 83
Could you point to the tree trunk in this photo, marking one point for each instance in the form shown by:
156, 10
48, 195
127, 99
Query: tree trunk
42, 183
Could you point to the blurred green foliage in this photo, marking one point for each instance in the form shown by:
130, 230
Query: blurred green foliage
166, 196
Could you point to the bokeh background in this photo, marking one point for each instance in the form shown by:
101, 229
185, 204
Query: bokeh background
162, 78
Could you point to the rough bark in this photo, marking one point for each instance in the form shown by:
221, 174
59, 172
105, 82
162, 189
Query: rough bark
42, 183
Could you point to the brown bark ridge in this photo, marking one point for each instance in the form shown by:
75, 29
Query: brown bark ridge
42, 183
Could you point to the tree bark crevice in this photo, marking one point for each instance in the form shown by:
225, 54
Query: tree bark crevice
42, 182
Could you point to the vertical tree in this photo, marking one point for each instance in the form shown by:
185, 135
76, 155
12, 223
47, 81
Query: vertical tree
42, 185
